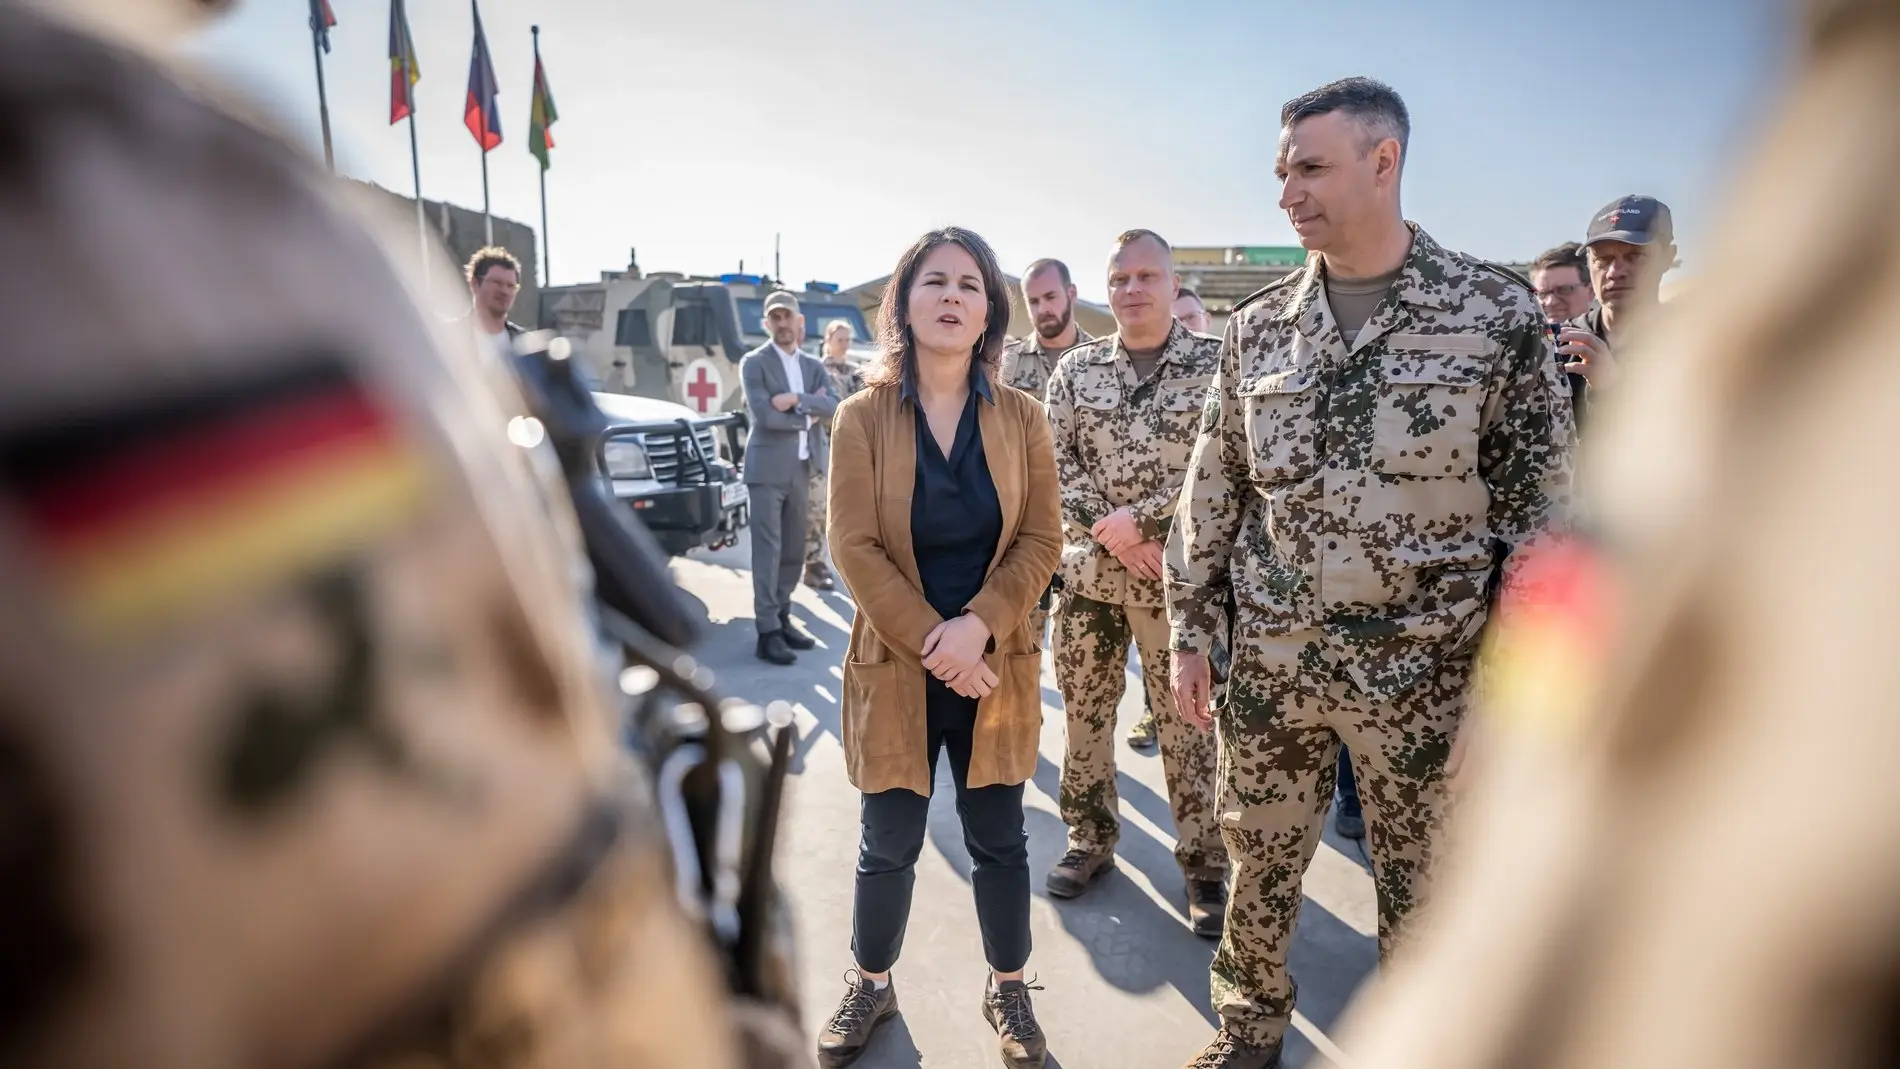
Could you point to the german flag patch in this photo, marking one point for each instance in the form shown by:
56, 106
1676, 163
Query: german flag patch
151, 509
1551, 638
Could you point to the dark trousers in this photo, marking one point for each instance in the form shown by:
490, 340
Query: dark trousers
892, 836
1348, 787
778, 549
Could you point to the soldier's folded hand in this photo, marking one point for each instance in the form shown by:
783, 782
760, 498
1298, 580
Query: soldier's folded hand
1190, 678
1117, 531
1143, 558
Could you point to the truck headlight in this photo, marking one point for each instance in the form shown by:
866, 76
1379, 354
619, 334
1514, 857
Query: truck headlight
626, 458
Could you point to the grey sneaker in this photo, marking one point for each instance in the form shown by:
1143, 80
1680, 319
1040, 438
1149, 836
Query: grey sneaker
1006, 1007
855, 1020
1229, 1051
1077, 869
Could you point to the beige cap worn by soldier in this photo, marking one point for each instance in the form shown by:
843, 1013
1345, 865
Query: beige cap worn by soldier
304, 752
1700, 868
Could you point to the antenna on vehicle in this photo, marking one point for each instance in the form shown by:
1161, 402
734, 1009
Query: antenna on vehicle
775, 271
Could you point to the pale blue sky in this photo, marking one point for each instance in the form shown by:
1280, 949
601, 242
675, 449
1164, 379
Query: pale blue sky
695, 129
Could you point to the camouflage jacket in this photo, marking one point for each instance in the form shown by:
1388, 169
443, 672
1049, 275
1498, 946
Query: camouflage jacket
846, 379
1120, 441
1357, 504
1027, 365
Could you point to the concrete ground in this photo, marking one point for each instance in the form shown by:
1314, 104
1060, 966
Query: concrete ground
1125, 981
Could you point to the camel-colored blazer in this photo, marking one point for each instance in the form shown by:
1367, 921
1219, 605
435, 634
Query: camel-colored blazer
873, 470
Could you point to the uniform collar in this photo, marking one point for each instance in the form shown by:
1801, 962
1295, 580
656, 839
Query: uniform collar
1424, 282
1178, 336
979, 384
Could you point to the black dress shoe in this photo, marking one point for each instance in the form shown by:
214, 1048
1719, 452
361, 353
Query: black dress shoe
773, 648
795, 637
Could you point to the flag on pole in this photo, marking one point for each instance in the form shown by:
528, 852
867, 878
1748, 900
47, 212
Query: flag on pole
480, 113
321, 19
541, 115
404, 71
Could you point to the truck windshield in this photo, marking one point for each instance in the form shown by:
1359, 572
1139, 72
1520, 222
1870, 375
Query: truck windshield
817, 318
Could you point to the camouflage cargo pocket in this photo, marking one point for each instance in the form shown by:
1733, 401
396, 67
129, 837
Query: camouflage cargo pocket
1430, 405
1282, 418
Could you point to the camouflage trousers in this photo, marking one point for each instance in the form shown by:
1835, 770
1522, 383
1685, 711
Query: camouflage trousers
817, 502
1091, 659
1280, 739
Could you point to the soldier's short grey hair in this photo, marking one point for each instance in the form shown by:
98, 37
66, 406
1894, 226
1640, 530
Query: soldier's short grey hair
1375, 105
1129, 237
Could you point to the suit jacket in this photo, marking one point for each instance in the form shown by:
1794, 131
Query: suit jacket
874, 468
771, 445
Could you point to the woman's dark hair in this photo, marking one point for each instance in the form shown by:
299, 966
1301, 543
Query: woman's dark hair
898, 355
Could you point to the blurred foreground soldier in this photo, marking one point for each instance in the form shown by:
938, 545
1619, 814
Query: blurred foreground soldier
1125, 410
1049, 294
1386, 426
1632, 881
304, 752
845, 381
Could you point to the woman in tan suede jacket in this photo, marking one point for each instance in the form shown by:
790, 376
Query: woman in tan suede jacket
945, 525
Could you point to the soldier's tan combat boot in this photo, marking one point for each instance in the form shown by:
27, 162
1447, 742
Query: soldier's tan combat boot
1006, 1006
1207, 907
1229, 1051
855, 1020
1077, 869
1142, 735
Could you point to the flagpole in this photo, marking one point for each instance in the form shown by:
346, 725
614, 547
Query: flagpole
415, 168
488, 221
547, 265
323, 99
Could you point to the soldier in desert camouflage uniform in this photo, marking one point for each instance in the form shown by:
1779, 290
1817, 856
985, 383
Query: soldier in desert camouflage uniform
1387, 425
306, 757
845, 381
1049, 294
1125, 410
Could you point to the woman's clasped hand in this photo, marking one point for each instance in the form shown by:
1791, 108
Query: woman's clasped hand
953, 652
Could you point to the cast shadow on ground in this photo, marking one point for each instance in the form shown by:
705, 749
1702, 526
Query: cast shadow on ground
1133, 942
892, 1047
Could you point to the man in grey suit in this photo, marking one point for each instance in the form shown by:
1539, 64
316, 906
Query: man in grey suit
787, 395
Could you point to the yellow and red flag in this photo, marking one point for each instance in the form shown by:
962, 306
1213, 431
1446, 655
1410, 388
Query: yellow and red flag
404, 70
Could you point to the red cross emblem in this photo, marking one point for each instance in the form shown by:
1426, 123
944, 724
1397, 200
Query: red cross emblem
702, 390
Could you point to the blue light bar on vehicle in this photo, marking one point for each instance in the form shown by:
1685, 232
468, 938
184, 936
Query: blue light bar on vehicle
750, 280
821, 287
